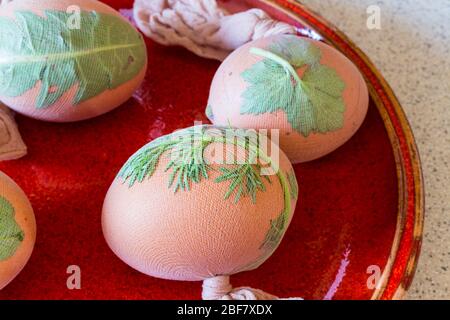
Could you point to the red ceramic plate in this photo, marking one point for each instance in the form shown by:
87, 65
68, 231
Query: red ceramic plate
360, 209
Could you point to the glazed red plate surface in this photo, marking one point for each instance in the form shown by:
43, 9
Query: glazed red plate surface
359, 211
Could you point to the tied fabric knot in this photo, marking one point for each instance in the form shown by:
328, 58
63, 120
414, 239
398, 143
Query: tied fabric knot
203, 27
11, 143
220, 288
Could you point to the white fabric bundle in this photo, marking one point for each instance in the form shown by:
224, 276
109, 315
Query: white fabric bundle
202, 27
11, 143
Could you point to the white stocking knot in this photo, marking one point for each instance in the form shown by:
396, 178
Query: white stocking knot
203, 27
219, 288
11, 143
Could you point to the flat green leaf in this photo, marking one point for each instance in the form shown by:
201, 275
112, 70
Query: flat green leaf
293, 185
264, 95
297, 51
312, 103
275, 233
11, 235
103, 54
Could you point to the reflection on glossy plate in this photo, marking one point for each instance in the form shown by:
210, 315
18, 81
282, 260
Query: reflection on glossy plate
360, 208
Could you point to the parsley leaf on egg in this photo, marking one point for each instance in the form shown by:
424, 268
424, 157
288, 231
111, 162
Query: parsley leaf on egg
313, 102
293, 184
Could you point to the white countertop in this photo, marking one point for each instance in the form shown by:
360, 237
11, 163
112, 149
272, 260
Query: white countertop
412, 51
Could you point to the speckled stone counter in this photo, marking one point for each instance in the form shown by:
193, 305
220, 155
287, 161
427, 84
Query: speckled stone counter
412, 51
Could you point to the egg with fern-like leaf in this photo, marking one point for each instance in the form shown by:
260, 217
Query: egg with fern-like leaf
314, 95
67, 60
184, 207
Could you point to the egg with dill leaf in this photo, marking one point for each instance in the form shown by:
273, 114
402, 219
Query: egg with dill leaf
198, 203
67, 60
17, 230
314, 95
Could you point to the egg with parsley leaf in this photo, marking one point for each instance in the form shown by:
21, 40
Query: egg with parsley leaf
314, 95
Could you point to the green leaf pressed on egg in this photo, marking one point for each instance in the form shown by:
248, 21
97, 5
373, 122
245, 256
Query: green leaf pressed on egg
11, 235
293, 184
185, 150
312, 102
245, 180
102, 54
275, 233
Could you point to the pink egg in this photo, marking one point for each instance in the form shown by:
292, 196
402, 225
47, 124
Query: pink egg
192, 220
310, 92
17, 230
67, 60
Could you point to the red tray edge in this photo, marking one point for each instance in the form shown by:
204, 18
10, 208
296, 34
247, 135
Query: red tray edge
402, 263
